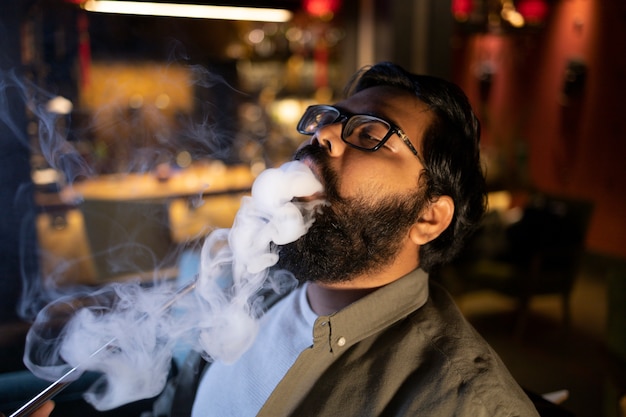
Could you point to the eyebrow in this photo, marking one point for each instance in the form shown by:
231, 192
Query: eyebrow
366, 113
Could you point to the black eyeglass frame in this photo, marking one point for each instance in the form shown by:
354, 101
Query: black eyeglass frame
344, 117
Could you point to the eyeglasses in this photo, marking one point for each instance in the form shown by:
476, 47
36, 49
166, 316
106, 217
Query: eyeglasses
361, 131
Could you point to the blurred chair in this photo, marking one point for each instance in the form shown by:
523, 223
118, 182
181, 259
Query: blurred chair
538, 254
130, 239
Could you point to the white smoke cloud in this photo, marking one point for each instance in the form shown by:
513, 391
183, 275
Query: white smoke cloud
125, 332
267, 216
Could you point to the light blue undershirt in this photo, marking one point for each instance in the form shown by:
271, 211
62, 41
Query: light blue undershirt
240, 389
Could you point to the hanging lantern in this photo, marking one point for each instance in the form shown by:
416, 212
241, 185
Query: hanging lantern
461, 9
321, 8
533, 11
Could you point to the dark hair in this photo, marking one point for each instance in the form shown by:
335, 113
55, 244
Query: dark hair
450, 153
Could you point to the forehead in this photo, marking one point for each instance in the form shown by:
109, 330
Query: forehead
393, 104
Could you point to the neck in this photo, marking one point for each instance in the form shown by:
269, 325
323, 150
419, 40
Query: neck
325, 299
328, 298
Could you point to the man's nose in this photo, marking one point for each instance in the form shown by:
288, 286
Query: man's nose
329, 138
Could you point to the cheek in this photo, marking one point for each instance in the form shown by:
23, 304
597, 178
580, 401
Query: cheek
359, 180
371, 179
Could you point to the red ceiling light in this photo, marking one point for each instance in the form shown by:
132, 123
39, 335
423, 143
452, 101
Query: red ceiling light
533, 11
461, 9
321, 8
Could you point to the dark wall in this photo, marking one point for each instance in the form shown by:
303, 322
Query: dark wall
17, 245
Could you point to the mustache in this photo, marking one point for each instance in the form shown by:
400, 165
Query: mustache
319, 158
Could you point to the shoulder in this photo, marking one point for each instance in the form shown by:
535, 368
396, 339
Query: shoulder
470, 373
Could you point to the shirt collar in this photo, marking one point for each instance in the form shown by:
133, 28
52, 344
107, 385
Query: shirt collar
374, 312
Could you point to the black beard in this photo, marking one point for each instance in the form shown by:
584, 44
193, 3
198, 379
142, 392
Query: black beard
351, 236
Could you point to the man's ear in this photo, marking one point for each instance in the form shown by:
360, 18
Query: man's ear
434, 219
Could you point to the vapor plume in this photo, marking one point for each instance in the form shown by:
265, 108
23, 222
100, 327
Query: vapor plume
124, 332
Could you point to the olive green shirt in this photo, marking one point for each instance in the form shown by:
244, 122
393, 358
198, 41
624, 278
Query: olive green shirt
404, 350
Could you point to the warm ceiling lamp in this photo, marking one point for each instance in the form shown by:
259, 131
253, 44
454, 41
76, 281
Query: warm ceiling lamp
256, 14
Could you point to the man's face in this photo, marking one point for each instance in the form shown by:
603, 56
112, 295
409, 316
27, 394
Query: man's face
374, 197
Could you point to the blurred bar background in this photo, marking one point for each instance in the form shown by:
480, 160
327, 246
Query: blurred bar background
126, 138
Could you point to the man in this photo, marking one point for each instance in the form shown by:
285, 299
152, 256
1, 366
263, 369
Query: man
367, 334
